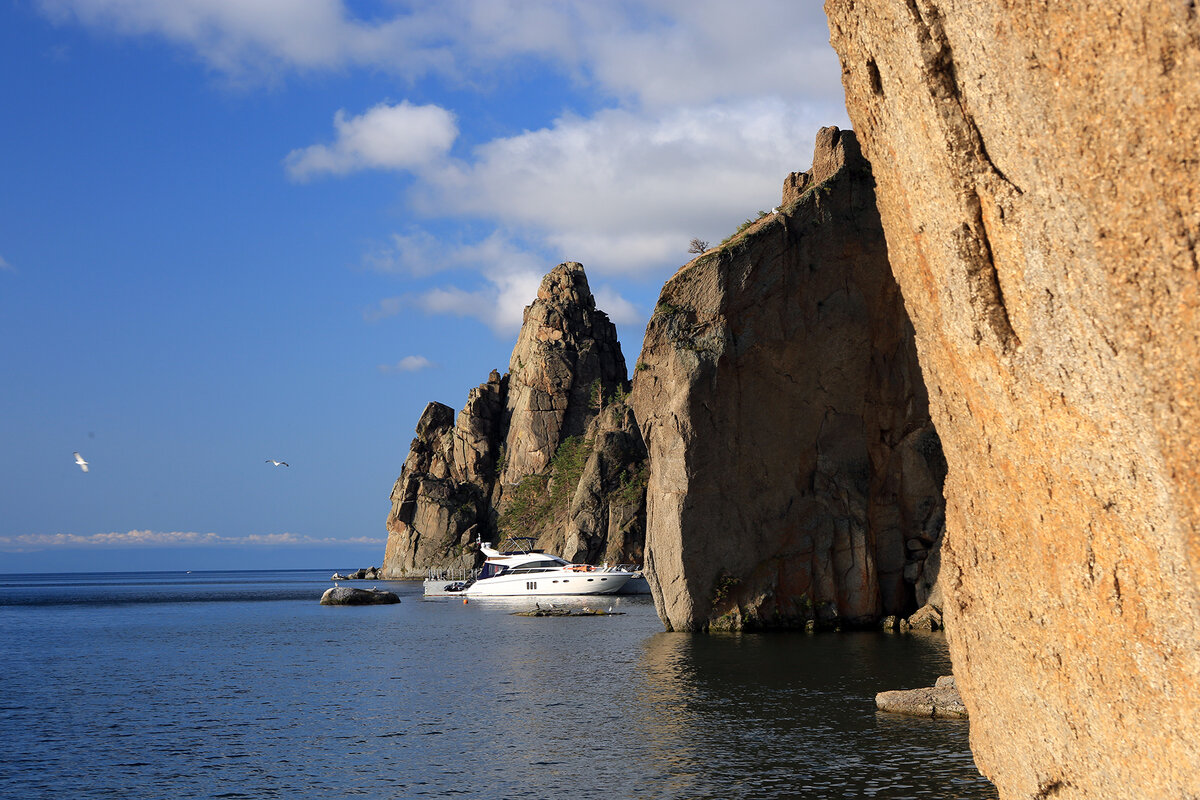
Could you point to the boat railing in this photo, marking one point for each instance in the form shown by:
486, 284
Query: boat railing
452, 574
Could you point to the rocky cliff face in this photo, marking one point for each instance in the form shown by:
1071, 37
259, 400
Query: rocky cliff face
530, 453
606, 518
567, 360
1039, 183
794, 474
441, 503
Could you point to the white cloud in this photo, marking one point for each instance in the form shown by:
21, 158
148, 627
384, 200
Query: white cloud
645, 52
685, 52
499, 303
5, 266
394, 137
241, 37
32, 542
618, 309
407, 364
417, 252
626, 190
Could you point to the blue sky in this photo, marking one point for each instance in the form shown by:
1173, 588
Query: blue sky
234, 230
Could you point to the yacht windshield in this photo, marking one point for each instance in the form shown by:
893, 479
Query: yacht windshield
538, 566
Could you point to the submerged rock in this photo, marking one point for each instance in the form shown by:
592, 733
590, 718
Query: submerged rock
352, 596
939, 701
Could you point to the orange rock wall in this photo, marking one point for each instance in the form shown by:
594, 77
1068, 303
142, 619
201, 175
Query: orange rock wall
1038, 179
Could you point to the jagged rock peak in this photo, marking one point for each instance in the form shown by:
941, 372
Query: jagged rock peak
566, 367
566, 353
567, 284
834, 149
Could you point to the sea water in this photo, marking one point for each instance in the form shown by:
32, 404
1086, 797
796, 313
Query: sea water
240, 685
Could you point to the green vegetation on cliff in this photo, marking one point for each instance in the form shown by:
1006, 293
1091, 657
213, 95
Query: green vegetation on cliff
543, 498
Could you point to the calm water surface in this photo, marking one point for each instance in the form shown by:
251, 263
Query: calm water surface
239, 685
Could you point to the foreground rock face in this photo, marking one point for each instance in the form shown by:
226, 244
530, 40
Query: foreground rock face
492, 470
795, 477
1039, 183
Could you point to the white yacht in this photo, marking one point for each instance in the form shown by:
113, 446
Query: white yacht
526, 572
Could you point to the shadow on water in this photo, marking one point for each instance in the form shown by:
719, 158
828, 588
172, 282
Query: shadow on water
794, 715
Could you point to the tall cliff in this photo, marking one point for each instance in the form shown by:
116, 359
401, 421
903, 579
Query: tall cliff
548, 450
1038, 178
795, 476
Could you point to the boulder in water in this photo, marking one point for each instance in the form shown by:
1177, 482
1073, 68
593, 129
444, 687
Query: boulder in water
350, 596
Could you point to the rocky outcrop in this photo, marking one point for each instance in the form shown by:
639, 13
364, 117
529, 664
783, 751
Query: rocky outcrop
795, 478
530, 454
606, 520
361, 574
1038, 179
349, 596
436, 513
589, 504
940, 701
566, 362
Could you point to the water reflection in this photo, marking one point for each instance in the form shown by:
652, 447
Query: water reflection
167, 689
789, 715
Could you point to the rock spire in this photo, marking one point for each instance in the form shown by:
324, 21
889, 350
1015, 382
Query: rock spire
464, 475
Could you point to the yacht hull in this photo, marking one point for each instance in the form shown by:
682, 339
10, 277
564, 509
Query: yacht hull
540, 584
546, 584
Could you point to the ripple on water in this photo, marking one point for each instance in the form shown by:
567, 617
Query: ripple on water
180, 695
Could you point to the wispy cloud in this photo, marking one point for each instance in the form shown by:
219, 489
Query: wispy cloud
32, 542
646, 52
5, 266
393, 137
504, 278
407, 364
704, 107
625, 191
499, 302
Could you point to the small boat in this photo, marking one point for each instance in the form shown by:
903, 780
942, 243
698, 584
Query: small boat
523, 571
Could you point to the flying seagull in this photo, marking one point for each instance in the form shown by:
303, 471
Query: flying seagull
269, 461
79, 460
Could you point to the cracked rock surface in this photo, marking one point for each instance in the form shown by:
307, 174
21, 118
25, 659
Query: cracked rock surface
1038, 179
